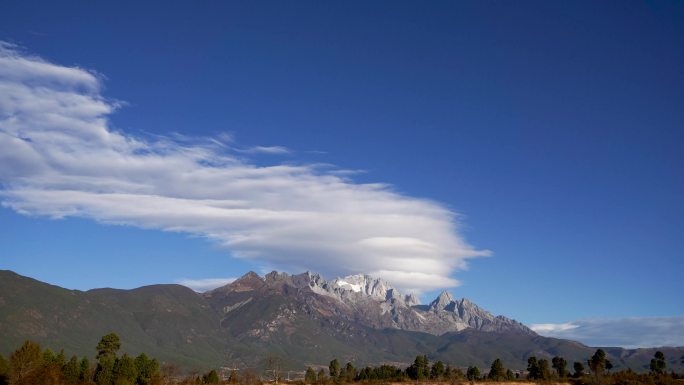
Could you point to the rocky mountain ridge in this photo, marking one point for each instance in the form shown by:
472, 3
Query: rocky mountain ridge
255, 317
375, 303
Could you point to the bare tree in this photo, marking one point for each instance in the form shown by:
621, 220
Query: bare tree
170, 373
274, 364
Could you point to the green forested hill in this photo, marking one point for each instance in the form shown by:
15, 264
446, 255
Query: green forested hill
171, 322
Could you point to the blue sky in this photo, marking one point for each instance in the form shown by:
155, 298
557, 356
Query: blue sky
553, 129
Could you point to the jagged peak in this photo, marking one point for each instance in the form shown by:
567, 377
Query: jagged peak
442, 301
249, 275
411, 300
445, 296
276, 276
249, 280
311, 274
467, 304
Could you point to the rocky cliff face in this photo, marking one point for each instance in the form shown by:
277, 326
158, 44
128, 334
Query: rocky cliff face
362, 299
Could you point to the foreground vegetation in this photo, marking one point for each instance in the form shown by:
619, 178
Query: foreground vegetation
31, 365
538, 371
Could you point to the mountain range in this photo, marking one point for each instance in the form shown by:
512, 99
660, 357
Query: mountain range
304, 319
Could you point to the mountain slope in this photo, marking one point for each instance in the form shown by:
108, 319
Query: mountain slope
171, 322
302, 318
373, 303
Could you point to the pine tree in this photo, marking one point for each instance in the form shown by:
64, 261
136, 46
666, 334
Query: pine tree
211, 377
108, 345
579, 369
334, 368
533, 368
124, 371
597, 364
658, 363
310, 375
544, 370
48, 356
104, 371
84, 370
71, 370
561, 366
60, 359
473, 373
146, 368
350, 372
437, 371
24, 362
418, 370
497, 372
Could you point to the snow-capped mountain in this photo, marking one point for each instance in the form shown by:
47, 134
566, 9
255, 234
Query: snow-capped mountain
375, 303
303, 318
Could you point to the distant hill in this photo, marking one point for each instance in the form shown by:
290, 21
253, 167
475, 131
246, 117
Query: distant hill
302, 318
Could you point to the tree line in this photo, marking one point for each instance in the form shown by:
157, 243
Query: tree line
30, 365
538, 370
420, 370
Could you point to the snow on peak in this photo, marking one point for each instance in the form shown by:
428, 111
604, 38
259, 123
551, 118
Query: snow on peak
367, 285
351, 286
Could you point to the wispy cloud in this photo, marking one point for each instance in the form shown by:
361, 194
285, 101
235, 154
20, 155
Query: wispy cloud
59, 157
553, 328
202, 285
265, 150
631, 332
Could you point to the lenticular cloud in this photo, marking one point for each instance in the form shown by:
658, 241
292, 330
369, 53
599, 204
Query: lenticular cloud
59, 157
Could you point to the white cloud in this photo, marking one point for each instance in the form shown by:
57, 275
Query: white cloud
205, 284
630, 332
59, 157
553, 328
266, 150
